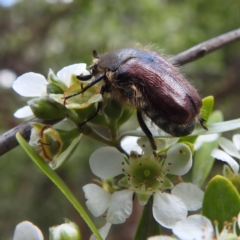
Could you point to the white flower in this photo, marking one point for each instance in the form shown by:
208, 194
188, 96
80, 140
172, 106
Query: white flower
199, 227
27, 231
195, 227
231, 149
35, 85
145, 177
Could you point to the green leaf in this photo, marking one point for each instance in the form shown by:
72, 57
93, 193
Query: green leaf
221, 201
235, 179
207, 107
58, 182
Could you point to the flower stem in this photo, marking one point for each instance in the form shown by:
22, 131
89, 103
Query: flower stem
147, 226
58, 182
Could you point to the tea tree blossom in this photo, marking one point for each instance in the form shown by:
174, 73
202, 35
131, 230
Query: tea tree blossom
144, 176
36, 85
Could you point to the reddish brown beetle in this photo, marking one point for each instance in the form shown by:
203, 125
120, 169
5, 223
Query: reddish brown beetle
146, 81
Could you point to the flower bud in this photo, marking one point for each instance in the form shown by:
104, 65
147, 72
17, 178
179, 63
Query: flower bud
113, 110
65, 231
27, 231
47, 109
54, 145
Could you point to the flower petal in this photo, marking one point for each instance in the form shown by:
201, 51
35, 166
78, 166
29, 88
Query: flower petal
27, 231
65, 74
179, 159
195, 227
30, 85
204, 138
130, 144
98, 199
168, 209
228, 147
190, 194
103, 231
236, 141
121, 206
23, 112
106, 162
221, 155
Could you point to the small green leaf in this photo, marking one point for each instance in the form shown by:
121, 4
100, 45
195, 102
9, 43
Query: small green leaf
207, 107
55, 81
235, 179
221, 201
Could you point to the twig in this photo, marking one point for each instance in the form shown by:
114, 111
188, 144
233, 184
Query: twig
206, 47
8, 140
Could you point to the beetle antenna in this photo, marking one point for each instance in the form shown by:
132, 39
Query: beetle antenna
95, 54
84, 77
96, 80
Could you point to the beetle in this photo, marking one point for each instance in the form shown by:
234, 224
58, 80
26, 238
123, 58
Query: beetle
152, 85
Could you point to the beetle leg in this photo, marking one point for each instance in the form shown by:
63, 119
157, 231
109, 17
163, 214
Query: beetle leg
99, 108
96, 80
201, 122
146, 130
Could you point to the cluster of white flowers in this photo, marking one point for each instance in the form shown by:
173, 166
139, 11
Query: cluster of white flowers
144, 176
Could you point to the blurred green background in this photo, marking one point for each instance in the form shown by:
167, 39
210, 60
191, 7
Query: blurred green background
38, 35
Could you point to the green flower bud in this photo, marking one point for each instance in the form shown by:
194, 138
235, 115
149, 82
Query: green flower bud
126, 115
113, 110
47, 109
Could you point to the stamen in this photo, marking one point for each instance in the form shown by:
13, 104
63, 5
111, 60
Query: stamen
181, 152
216, 228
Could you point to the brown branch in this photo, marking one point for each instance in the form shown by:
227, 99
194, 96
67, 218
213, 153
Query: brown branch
206, 47
8, 140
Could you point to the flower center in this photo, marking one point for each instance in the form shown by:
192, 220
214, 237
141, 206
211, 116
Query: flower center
145, 175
